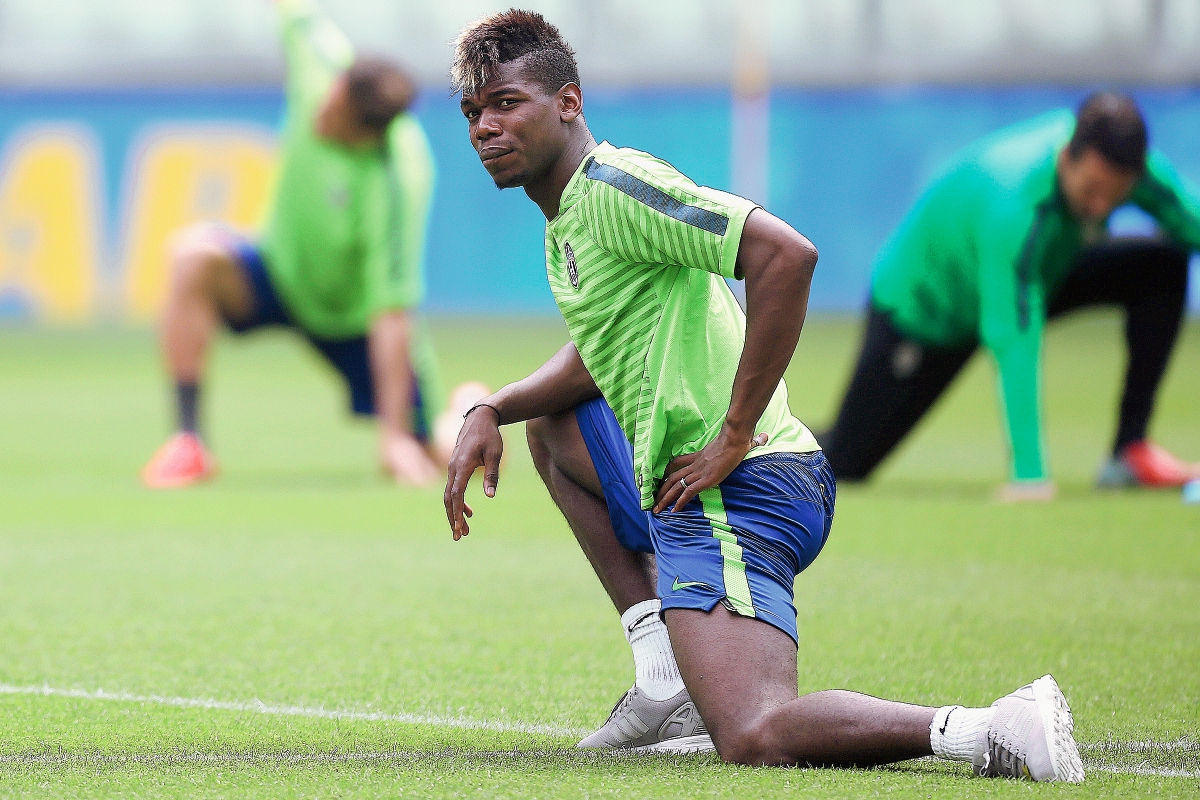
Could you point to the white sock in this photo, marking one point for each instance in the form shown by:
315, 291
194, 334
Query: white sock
956, 732
653, 659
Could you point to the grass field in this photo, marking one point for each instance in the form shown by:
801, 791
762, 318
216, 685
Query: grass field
302, 628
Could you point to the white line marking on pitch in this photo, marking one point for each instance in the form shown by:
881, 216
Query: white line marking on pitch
396, 755
1146, 772
1179, 745
259, 707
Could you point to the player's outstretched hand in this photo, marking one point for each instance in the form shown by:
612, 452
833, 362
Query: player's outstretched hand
690, 474
479, 445
405, 459
1026, 492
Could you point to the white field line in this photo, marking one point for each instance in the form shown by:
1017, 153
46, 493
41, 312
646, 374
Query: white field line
240, 758
1119, 747
1102, 753
1146, 772
259, 707
152, 759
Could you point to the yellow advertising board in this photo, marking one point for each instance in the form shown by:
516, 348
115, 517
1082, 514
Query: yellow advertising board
180, 177
50, 223
52, 243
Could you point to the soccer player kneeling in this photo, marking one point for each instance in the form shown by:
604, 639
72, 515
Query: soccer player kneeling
663, 433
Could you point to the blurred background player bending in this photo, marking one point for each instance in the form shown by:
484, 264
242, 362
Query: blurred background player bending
1014, 232
340, 260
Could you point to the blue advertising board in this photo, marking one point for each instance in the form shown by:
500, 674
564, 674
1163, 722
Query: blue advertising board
92, 183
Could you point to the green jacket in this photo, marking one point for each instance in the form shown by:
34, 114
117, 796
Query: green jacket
984, 248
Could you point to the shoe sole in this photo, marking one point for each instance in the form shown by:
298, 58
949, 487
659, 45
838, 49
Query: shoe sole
1115, 476
180, 483
679, 746
1059, 727
1106, 484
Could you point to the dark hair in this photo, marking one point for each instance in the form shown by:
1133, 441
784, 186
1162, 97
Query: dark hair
1112, 125
379, 91
487, 43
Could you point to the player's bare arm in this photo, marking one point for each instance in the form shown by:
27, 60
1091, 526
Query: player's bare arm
778, 264
560, 384
400, 454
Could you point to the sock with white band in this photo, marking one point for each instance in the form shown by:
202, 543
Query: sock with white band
653, 659
956, 732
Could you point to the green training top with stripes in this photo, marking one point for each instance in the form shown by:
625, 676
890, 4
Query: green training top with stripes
637, 259
345, 237
986, 245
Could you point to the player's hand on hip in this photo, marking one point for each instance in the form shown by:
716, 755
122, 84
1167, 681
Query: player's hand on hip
405, 459
479, 445
690, 474
1026, 492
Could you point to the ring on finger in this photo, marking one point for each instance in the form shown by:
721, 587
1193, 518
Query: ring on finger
683, 482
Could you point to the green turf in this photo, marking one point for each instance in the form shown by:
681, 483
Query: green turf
301, 579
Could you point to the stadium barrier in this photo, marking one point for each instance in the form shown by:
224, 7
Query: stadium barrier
93, 183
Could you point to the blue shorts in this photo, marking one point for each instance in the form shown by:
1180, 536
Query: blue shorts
741, 543
348, 356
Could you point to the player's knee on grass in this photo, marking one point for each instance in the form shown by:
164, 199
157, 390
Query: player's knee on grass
751, 745
741, 747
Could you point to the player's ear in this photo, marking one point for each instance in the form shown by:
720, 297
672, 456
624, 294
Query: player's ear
570, 102
1066, 159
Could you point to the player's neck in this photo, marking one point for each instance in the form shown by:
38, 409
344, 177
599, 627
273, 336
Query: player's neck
547, 191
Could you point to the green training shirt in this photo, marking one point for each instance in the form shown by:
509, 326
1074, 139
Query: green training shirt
637, 258
984, 248
345, 237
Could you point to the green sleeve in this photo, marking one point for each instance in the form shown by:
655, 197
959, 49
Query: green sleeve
396, 252
315, 50
1012, 316
1168, 197
647, 218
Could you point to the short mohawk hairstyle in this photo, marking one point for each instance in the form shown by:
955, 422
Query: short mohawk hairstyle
487, 43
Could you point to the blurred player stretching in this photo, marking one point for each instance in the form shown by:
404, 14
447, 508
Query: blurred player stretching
340, 260
1011, 234
662, 432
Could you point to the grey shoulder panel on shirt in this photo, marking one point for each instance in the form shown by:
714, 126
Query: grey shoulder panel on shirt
656, 198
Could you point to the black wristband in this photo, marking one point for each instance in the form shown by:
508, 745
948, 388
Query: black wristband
483, 405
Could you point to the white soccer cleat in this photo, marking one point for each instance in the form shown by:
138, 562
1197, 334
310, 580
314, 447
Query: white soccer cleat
1030, 737
641, 725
